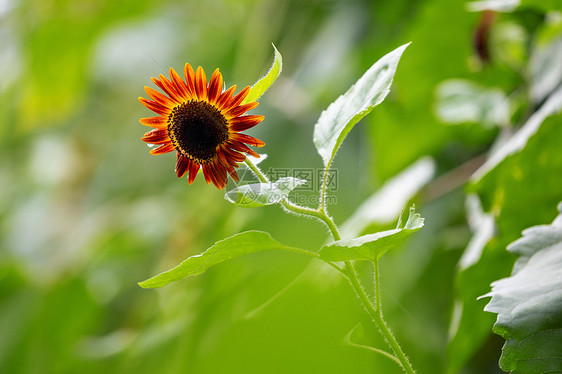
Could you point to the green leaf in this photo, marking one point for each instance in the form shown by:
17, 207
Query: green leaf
261, 194
461, 101
495, 5
509, 191
545, 69
370, 90
511, 5
373, 246
529, 302
226, 249
264, 83
518, 141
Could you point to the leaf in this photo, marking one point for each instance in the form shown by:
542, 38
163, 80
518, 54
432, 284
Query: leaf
545, 69
373, 246
518, 192
370, 90
226, 249
265, 82
495, 5
511, 5
519, 140
461, 101
529, 302
261, 194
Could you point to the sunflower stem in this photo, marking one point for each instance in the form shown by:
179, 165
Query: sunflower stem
256, 170
322, 205
349, 271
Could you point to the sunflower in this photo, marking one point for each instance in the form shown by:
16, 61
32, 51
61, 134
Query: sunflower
201, 123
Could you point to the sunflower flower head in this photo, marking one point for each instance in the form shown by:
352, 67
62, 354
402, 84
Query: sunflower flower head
202, 123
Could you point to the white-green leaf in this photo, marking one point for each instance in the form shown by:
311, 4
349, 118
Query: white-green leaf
265, 82
495, 5
518, 141
461, 101
226, 249
370, 90
529, 302
260, 194
511, 5
373, 246
545, 67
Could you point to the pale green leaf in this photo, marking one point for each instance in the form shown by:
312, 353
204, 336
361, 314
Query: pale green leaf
511, 5
529, 302
226, 249
261, 194
545, 69
495, 5
373, 246
519, 140
370, 90
461, 101
264, 83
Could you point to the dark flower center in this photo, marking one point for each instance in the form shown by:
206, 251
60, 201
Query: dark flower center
196, 129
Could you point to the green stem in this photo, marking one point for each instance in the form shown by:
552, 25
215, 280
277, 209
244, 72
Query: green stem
257, 172
313, 213
322, 205
349, 271
375, 312
289, 206
385, 330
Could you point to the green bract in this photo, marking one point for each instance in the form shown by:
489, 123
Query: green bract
264, 83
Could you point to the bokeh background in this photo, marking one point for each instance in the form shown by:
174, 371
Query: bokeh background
86, 212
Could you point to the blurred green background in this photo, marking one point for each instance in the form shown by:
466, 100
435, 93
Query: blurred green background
86, 212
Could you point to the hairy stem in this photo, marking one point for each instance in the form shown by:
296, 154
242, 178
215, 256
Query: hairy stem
349, 271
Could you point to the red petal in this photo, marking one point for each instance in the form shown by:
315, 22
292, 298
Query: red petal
206, 173
221, 157
232, 155
227, 160
190, 79
236, 100
224, 99
156, 122
159, 98
215, 86
169, 147
201, 83
241, 147
171, 88
156, 137
233, 174
193, 169
154, 106
170, 92
245, 122
248, 139
182, 164
179, 84
218, 175
239, 110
